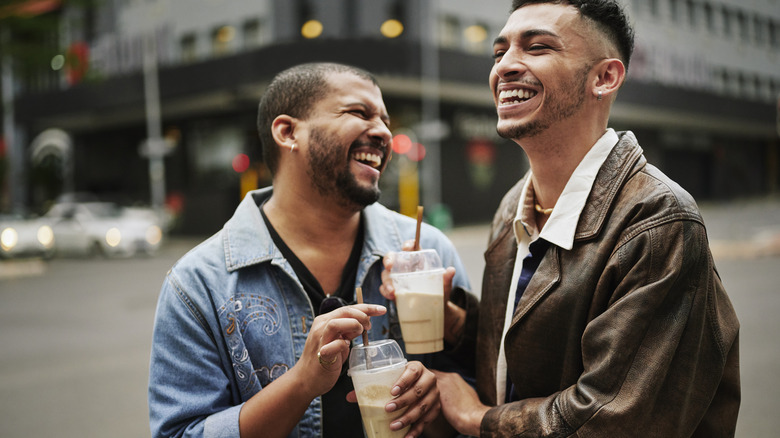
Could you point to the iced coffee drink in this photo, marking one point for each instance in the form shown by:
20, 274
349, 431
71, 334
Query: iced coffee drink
375, 370
418, 279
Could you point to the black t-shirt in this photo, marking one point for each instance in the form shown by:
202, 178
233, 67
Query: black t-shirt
338, 415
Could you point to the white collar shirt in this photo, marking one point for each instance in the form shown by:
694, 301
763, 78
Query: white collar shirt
558, 230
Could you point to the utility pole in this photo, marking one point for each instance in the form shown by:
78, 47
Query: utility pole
155, 145
429, 78
16, 175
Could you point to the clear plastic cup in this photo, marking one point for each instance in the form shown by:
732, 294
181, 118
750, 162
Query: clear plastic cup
374, 370
418, 279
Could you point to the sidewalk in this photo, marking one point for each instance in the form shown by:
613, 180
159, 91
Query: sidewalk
743, 229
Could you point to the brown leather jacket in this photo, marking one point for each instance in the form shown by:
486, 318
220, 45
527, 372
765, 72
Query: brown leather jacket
629, 334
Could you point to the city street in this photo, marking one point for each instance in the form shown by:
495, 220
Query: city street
75, 334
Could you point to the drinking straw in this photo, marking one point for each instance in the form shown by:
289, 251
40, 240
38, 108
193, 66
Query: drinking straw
359, 293
419, 224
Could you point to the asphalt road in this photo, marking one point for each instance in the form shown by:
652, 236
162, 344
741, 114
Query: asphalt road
75, 335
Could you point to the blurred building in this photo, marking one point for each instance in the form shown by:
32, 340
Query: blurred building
702, 97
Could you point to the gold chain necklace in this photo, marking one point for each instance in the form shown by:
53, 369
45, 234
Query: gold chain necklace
544, 211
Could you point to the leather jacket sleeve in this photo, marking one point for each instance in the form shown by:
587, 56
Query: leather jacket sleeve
658, 347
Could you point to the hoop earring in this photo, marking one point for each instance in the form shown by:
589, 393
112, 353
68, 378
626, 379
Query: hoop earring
600, 95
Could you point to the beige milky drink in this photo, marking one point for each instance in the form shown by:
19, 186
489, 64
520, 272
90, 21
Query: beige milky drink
419, 297
373, 380
418, 279
376, 420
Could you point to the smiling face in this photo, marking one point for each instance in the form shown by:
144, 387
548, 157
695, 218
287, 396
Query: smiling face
348, 141
542, 66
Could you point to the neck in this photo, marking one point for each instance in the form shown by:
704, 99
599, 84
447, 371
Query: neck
554, 155
311, 219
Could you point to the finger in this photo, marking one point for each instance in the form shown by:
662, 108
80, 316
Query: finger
408, 245
339, 329
421, 396
386, 288
419, 426
449, 274
411, 374
333, 355
388, 260
421, 412
352, 397
358, 312
418, 400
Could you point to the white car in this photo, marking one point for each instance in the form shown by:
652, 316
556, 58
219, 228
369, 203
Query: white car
101, 228
20, 237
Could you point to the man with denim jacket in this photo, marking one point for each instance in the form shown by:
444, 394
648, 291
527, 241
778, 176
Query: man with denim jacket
254, 325
602, 313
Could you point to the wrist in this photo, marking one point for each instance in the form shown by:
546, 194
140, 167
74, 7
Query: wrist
454, 322
473, 423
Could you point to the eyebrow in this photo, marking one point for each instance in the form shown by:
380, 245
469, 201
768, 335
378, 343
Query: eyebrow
501, 39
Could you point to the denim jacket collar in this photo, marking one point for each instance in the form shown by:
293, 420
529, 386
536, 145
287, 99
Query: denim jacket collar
247, 242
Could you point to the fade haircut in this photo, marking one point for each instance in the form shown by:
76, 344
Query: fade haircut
608, 16
294, 92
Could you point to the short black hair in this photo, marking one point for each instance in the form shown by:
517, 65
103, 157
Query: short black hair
608, 15
294, 92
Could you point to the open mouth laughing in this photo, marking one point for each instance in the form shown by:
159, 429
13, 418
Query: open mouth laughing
514, 96
368, 158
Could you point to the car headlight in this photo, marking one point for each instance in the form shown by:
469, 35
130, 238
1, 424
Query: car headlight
46, 236
153, 235
113, 237
8, 239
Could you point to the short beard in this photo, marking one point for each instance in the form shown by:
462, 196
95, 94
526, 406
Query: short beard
559, 109
332, 178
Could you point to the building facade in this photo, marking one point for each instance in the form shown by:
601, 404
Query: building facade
702, 97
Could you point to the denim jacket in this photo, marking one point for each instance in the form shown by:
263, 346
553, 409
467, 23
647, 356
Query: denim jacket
232, 316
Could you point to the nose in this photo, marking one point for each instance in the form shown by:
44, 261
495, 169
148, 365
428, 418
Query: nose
380, 132
509, 66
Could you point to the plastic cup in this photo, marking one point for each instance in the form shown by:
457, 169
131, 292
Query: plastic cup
418, 279
374, 370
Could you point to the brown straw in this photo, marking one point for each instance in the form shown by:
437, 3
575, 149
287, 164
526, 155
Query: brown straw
359, 293
419, 223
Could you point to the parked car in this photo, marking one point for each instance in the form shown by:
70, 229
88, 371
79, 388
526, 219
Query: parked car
102, 228
25, 237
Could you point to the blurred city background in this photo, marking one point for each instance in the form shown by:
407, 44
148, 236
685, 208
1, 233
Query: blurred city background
128, 135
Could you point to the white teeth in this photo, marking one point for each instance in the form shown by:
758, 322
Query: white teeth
516, 93
373, 159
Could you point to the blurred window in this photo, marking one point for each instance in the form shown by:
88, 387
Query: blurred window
743, 85
222, 39
759, 30
742, 24
692, 11
675, 10
476, 39
449, 32
774, 38
709, 18
727, 24
653, 6
255, 33
188, 47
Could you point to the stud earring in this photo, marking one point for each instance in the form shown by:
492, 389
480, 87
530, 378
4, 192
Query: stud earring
600, 95
292, 148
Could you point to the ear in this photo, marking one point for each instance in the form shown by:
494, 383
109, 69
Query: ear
610, 75
283, 130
